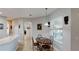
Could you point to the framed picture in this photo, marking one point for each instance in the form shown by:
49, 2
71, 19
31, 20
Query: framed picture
39, 26
1, 26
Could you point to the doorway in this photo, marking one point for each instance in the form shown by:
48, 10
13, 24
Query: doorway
9, 27
27, 36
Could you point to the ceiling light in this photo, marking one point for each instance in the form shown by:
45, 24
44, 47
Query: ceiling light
46, 24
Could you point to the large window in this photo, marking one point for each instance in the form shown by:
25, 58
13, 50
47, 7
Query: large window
57, 31
58, 35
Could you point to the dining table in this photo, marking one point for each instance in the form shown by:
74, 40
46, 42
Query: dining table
44, 43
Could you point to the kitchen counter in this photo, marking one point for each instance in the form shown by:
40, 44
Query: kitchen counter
9, 43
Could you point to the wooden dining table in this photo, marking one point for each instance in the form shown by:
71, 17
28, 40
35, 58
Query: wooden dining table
43, 42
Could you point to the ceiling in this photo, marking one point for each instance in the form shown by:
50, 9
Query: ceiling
25, 12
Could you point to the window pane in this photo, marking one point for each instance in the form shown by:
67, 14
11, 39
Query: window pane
58, 35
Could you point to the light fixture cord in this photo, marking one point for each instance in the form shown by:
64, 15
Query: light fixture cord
46, 13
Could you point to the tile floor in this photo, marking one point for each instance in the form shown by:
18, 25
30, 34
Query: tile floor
26, 46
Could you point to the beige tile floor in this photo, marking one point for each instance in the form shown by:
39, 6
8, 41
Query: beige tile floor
26, 45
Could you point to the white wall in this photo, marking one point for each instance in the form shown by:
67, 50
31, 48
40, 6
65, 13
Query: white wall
45, 30
62, 12
17, 30
75, 29
3, 32
34, 21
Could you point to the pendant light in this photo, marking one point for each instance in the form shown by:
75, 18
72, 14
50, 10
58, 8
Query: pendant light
47, 23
